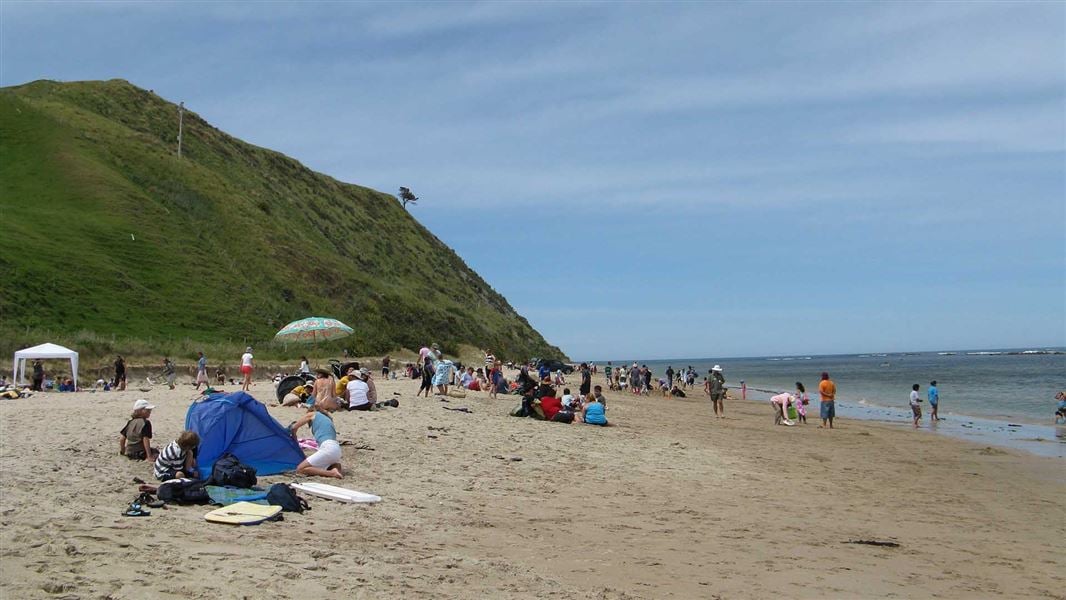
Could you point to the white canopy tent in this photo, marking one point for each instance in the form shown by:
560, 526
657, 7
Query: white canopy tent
46, 350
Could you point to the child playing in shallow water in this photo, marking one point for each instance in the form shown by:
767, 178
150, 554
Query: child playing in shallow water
916, 407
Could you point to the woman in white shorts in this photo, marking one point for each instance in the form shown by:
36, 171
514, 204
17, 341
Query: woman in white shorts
326, 461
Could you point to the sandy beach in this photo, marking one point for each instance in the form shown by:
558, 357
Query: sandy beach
670, 503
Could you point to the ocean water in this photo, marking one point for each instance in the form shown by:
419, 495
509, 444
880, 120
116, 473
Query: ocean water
1004, 397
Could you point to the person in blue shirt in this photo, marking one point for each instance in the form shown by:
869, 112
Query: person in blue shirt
594, 411
934, 401
1060, 411
326, 461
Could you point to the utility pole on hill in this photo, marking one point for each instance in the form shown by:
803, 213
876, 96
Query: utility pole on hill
181, 122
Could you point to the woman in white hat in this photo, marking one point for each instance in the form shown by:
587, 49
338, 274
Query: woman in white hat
716, 387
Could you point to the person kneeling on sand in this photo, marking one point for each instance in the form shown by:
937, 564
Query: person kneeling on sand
326, 461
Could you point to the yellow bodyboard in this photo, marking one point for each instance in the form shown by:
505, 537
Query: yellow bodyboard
242, 513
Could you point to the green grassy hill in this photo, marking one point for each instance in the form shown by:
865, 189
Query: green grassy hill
106, 238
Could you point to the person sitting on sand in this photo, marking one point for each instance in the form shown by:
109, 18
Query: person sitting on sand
466, 378
324, 387
298, 395
677, 392
781, 402
178, 458
552, 409
567, 399
357, 392
220, 375
594, 412
326, 461
135, 441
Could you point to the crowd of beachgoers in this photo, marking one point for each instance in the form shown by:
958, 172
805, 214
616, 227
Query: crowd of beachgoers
542, 386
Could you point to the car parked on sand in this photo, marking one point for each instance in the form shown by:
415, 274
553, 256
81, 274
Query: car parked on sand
555, 365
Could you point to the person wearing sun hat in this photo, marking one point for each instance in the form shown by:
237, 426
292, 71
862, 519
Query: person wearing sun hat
716, 388
135, 439
247, 367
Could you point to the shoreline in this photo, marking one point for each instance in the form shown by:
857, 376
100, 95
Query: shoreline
1034, 438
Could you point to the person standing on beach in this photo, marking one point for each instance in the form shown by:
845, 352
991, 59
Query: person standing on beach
247, 367
670, 375
38, 376
586, 382
120, 373
201, 370
828, 392
426, 358
934, 401
916, 407
801, 402
169, 372
717, 391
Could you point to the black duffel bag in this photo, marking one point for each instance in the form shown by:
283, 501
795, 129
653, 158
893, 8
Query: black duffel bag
229, 470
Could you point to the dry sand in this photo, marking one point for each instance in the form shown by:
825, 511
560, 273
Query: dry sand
671, 503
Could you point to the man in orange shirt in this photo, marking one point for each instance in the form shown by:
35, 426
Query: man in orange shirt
828, 391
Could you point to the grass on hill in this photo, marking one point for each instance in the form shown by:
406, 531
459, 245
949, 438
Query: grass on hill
108, 236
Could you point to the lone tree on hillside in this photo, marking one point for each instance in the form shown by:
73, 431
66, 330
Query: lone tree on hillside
406, 196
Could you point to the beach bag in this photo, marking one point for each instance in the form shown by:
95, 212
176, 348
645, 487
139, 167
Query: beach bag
183, 491
228, 470
792, 412
281, 494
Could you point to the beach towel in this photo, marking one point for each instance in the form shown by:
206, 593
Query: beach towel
225, 496
308, 443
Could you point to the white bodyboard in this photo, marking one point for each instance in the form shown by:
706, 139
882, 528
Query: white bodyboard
332, 492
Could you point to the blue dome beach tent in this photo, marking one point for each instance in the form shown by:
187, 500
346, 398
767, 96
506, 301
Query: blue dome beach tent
240, 424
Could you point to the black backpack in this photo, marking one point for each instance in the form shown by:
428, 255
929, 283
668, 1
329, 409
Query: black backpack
183, 491
228, 470
282, 494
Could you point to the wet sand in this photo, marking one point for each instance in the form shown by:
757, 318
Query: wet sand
670, 503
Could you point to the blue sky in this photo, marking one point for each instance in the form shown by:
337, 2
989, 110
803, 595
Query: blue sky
656, 180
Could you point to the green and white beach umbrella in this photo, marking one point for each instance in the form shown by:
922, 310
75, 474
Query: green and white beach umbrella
313, 329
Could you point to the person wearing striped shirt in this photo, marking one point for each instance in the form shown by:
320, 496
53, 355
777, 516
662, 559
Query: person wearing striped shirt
178, 459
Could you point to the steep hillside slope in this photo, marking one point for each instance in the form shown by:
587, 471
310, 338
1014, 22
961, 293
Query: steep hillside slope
104, 229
